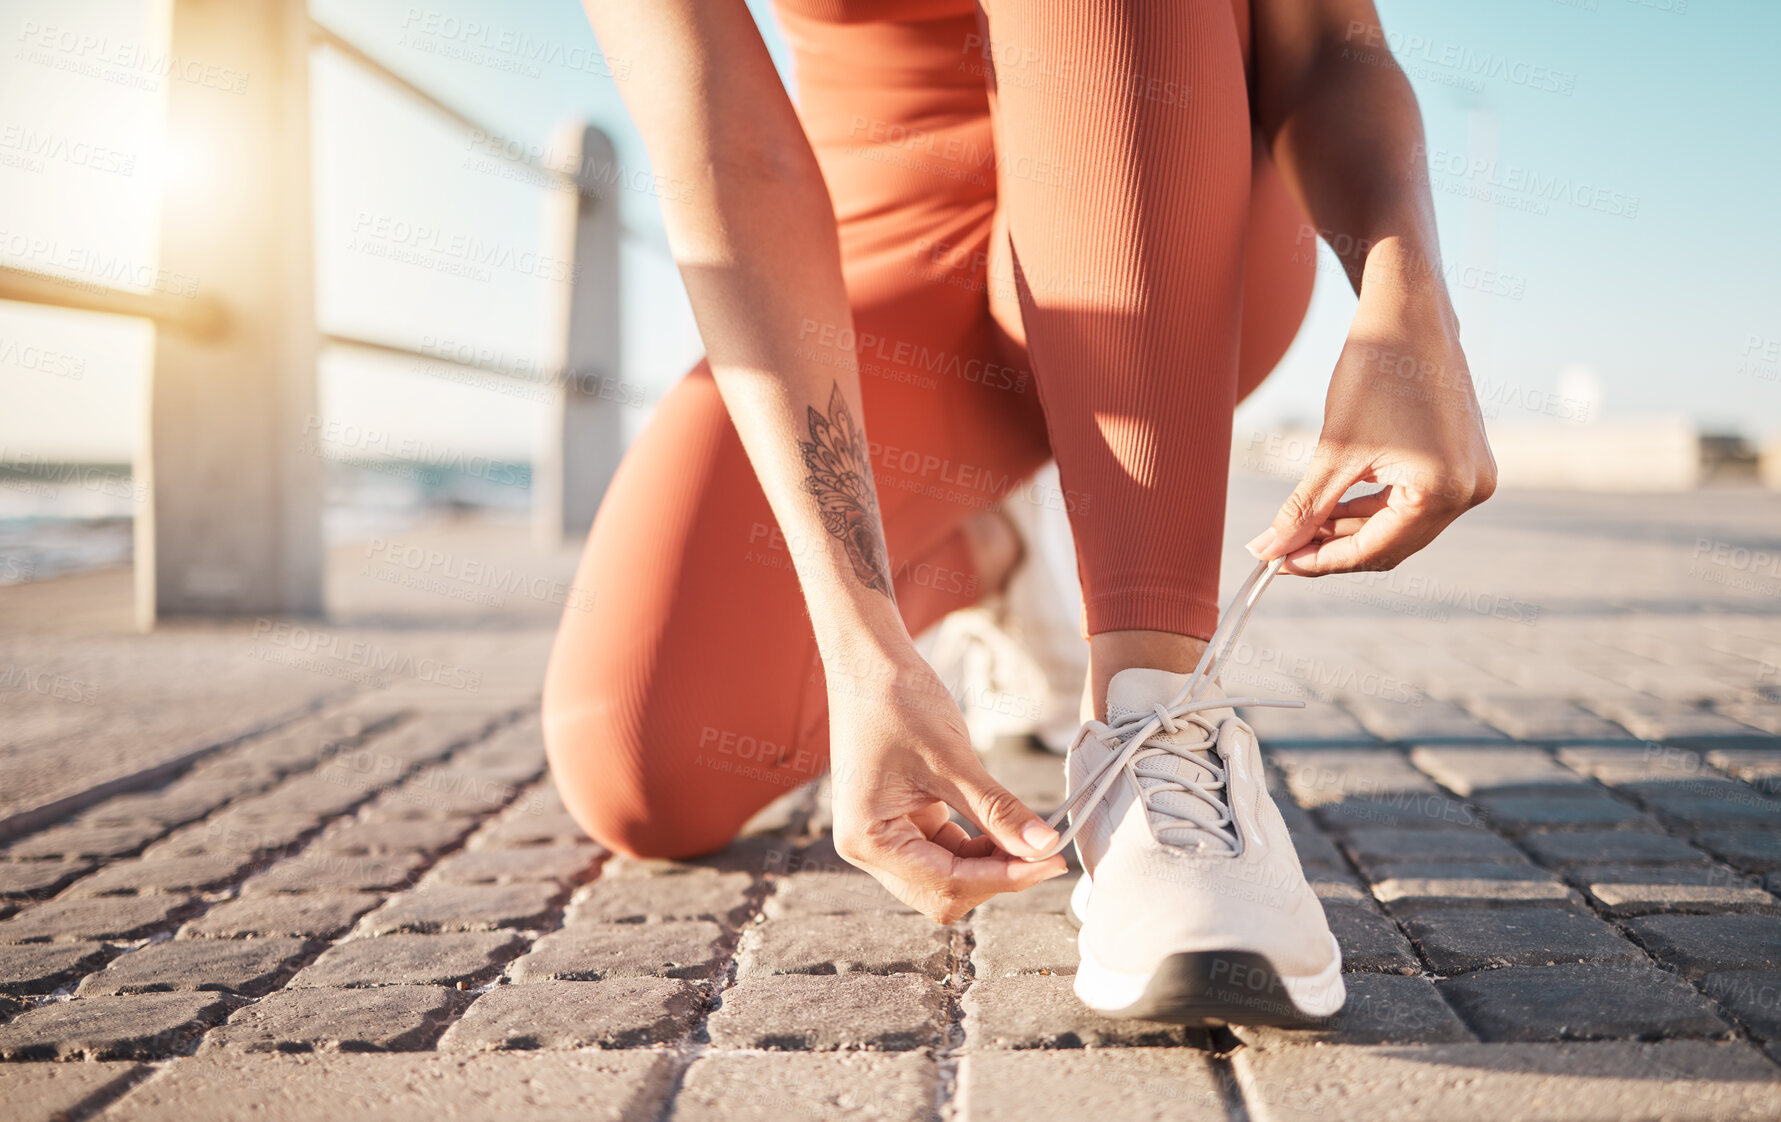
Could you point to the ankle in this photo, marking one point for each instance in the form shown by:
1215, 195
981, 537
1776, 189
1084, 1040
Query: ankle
1112, 651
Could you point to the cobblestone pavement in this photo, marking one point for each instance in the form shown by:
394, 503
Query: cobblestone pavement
1538, 786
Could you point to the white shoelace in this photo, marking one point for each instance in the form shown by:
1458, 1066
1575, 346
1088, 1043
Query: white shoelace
1129, 735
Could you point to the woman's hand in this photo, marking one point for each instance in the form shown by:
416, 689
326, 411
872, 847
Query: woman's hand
901, 757
1400, 412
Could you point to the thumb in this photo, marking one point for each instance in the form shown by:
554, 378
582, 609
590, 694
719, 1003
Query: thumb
1311, 502
1002, 816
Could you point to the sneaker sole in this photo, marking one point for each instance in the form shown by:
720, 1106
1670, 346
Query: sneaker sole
1203, 988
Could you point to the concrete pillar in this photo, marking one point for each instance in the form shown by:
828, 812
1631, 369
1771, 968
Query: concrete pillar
584, 425
232, 520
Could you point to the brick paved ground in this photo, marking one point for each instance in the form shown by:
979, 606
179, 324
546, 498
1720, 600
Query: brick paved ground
1539, 787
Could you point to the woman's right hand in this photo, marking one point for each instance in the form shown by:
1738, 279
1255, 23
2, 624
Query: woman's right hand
900, 758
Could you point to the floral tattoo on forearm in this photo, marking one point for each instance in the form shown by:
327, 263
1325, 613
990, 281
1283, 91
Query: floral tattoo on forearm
841, 479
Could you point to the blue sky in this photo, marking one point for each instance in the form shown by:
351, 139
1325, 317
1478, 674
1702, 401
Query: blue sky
1627, 220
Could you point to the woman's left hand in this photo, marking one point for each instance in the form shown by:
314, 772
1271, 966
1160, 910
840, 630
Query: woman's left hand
1401, 412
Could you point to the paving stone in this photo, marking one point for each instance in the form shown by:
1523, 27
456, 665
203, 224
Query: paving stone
338, 872
421, 960
565, 863
841, 944
1530, 717
1407, 889
693, 949
423, 835
1048, 897
325, 793
167, 874
1381, 1009
520, 825
1314, 847
309, 915
1619, 1081
1470, 938
1635, 890
464, 907
1759, 767
756, 856
1426, 720
1698, 945
1371, 942
1752, 996
1587, 1001
39, 878
1751, 809
1042, 1011
802, 1012
1472, 771
617, 1013
818, 1086
1318, 778
1628, 847
1336, 887
237, 834
129, 917
71, 840
412, 1087
44, 967
244, 966
441, 792
1378, 849
1128, 1084
1013, 943
831, 893
718, 897
170, 806
381, 1019
1409, 811
59, 1092
1751, 850
1587, 807
140, 1027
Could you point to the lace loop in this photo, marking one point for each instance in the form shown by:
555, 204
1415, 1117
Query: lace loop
1129, 735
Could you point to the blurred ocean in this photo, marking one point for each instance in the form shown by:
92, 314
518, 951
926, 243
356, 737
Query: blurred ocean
57, 519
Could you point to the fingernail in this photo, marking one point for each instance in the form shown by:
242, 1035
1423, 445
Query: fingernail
1258, 544
1038, 835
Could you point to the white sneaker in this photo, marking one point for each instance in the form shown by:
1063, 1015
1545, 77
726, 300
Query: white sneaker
1194, 909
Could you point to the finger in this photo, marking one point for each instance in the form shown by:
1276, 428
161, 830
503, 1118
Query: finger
998, 813
1408, 522
1304, 510
1362, 506
943, 885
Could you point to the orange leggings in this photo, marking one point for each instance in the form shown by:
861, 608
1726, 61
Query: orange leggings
1059, 239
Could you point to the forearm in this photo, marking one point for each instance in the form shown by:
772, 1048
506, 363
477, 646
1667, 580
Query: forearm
753, 231
1345, 130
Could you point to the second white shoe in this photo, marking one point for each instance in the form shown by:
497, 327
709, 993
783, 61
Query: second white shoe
1194, 908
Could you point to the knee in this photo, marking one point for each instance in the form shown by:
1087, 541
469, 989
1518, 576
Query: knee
604, 780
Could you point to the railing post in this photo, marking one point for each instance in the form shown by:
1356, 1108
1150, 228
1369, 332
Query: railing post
231, 522
584, 425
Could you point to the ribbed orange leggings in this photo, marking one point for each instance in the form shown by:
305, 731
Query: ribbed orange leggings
1060, 239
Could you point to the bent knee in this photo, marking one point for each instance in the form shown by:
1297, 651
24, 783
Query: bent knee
602, 778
